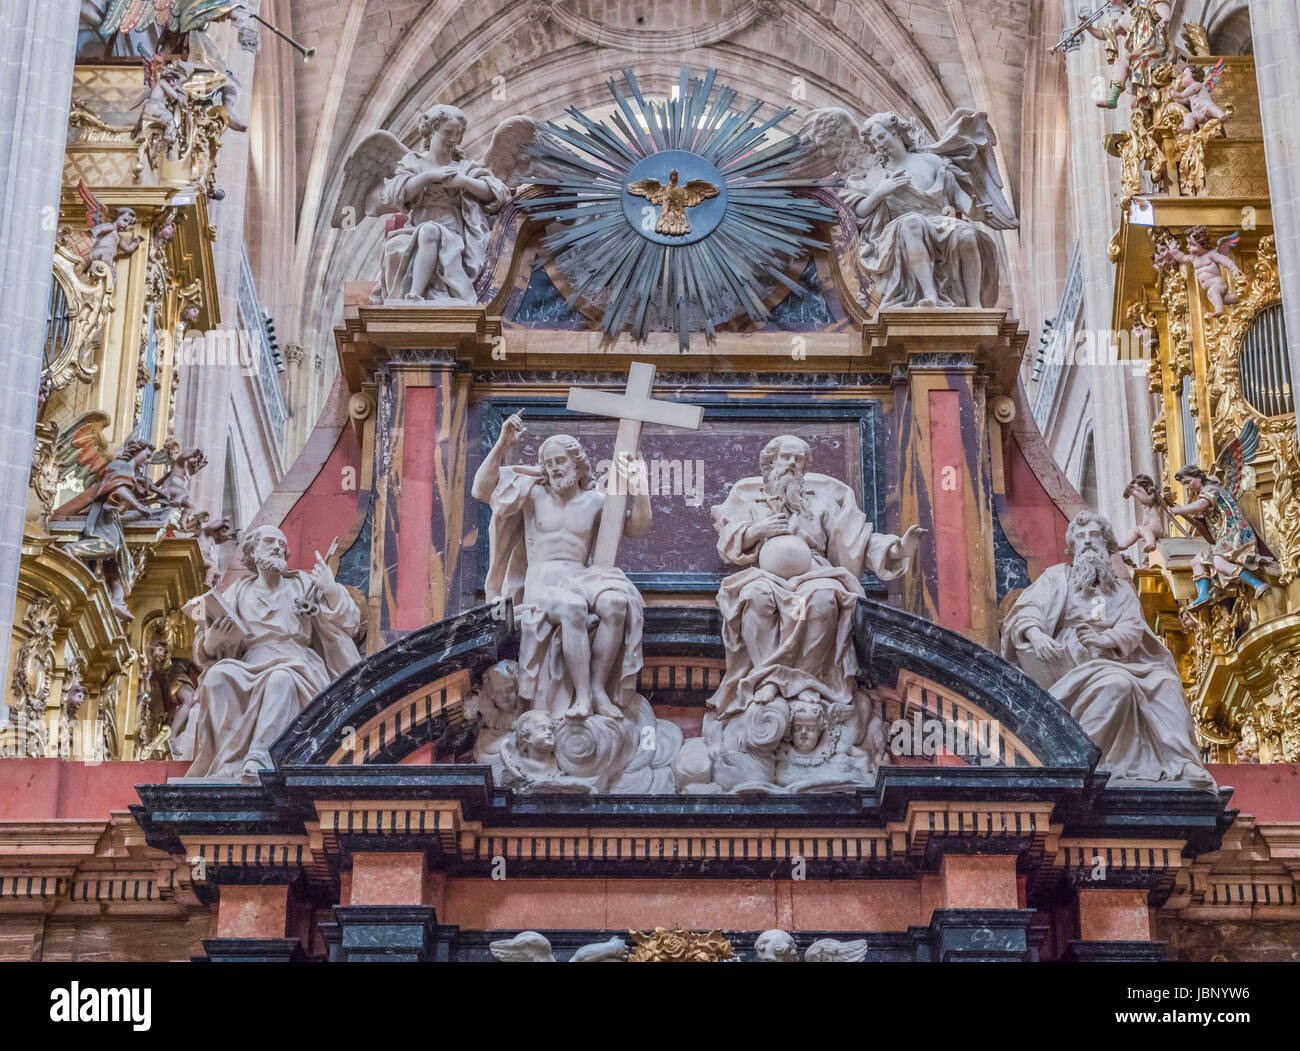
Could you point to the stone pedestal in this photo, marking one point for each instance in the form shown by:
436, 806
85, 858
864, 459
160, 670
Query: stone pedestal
386, 933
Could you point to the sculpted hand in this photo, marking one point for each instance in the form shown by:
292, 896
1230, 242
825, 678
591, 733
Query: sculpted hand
322, 576
632, 475
772, 525
222, 633
512, 430
907, 543
1045, 648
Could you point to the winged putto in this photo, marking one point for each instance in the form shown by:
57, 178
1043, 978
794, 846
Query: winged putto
924, 210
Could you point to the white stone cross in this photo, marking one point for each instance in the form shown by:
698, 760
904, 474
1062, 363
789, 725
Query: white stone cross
631, 408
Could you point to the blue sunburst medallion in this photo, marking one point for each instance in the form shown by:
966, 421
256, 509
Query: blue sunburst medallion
679, 214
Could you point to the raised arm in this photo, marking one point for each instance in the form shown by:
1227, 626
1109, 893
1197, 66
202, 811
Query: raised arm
489, 471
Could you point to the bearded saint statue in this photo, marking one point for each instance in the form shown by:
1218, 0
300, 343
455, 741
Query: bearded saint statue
1078, 631
283, 637
787, 614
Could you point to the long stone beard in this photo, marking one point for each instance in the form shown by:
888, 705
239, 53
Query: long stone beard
271, 562
1091, 571
786, 486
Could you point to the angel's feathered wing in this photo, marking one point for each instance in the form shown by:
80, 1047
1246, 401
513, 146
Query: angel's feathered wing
968, 143
1228, 242
81, 447
832, 142
520, 151
364, 172
1234, 457
1216, 71
96, 213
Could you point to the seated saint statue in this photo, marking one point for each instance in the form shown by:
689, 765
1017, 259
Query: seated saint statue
580, 625
788, 614
1078, 631
286, 635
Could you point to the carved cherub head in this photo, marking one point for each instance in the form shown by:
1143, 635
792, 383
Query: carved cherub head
500, 686
776, 947
125, 220
1143, 482
807, 725
1198, 239
535, 736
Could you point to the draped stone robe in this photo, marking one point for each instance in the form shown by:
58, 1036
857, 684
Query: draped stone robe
815, 609
1128, 697
252, 690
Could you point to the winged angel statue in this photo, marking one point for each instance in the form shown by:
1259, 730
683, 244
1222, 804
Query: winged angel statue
437, 202
920, 207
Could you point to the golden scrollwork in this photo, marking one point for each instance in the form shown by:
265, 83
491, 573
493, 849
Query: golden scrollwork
1277, 712
33, 675
1172, 289
88, 293
665, 945
46, 469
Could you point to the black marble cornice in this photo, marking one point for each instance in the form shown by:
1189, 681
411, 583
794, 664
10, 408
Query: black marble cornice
470, 640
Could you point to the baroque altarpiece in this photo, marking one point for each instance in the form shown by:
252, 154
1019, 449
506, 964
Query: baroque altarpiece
676, 571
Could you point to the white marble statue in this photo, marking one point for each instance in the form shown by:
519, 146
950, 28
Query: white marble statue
776, 946
497, 704
787, 627
528, 759
580, 625
919, 211
437, 202
270, 643
1079, 633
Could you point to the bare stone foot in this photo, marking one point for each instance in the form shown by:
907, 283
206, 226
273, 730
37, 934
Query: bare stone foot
765, 694
580, 708
604, 706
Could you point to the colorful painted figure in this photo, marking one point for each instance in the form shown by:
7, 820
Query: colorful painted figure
1236, 552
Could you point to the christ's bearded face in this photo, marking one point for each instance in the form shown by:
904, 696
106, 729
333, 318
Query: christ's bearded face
784, 478
1091, 570
561, 469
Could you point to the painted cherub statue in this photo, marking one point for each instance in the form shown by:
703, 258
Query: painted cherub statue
1206, 263
175, 486
105, 239
1214, 511
1143, 26
1198, 96
1150, 513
